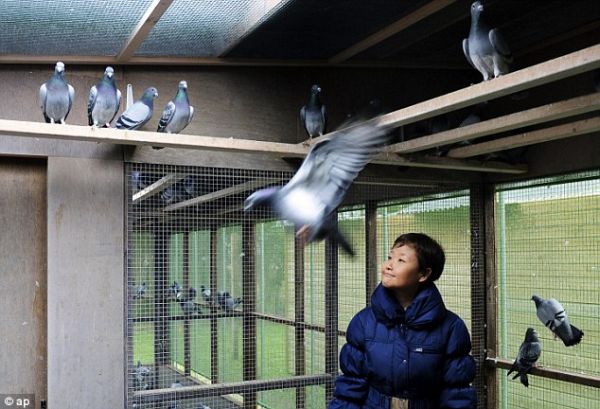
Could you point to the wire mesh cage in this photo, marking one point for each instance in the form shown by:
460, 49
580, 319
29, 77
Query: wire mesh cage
228, 309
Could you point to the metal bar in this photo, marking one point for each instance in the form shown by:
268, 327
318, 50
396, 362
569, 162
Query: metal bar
220, 389
331, 311
371, 267
249, 321
550, 373
214, 323
187, 356
161, 322
300, 363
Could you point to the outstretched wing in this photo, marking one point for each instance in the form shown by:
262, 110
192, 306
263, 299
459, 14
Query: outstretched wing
166, 116
330, 167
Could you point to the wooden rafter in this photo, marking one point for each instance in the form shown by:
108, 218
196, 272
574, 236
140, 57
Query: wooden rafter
448, 163
539, 74
403, 23
143, 28
157, 187
569, 130
545, 113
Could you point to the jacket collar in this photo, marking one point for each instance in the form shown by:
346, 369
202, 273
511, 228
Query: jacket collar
426, 309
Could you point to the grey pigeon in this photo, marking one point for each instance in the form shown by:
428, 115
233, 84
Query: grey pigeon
139, 113
188, 306
313, 114
175, 290
140, 375
321, 183
104, 101
205, 292
202, 406
485, 48
553, 315
140, 291
178, 112
529, 352
227, 302
56, 96
173, 194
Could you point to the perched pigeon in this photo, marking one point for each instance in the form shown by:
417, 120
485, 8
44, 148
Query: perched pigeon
139, 113
173, 194
485, 48
529, 352
140, 291
313, 114
553, 315
142, 180
205, 294
320, 185
227, 302
104, 100
188, 306
56, 96
175, 290
140, 375
178, 113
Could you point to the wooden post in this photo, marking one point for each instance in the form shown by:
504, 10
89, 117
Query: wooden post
214, 323
371, 267
331, 312
298, 318
249, 320
161, 304
187, 357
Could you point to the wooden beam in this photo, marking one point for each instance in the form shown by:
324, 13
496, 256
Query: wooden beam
448, 163
143, 28
543, 73
394, 28
545, 113
157, 186
569, 130
209, 197
551, 373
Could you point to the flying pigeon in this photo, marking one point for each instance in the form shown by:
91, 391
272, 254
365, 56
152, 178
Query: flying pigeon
139, 113
553, 315
529, 352
56, 96
321, 183
485, 48
313, 114
104, 101
140, 291
178, 112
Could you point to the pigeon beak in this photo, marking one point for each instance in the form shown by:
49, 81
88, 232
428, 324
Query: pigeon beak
480, 7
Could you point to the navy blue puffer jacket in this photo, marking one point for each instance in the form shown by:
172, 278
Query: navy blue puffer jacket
421, 354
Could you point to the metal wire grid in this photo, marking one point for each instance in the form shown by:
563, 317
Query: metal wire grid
548, 242
288, 325
68, 27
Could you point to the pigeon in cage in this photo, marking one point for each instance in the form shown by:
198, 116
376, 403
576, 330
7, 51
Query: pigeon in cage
529, 352
553, 315
104, 101
227, 302
173, 194
139, 113
56, 96
178, 112
175, 290
141, 374
140, 290
320, 184
202, 406
314, 114
485, 48
205, 292
188, 306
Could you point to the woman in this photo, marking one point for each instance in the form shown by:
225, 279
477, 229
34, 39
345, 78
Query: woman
406, 350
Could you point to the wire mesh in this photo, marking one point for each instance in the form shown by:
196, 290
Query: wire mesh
548, 243
228, 309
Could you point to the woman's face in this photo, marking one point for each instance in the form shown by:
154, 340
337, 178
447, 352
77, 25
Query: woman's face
401, 270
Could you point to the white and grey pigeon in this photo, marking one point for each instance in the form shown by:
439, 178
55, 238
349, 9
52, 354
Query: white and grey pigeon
104, 100
227, 302
139, 113
553, 315
314, 114
529, 352
175, 290
140, 291
140, 375
485, 48
205, 292
56, 96
188, 306
178, 112
321, 183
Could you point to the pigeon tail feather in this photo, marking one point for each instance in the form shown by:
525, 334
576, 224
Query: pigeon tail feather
575, 339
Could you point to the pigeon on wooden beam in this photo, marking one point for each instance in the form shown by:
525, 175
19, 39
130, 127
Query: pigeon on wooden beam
56, 96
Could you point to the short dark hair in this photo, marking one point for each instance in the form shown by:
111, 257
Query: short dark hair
429, 252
